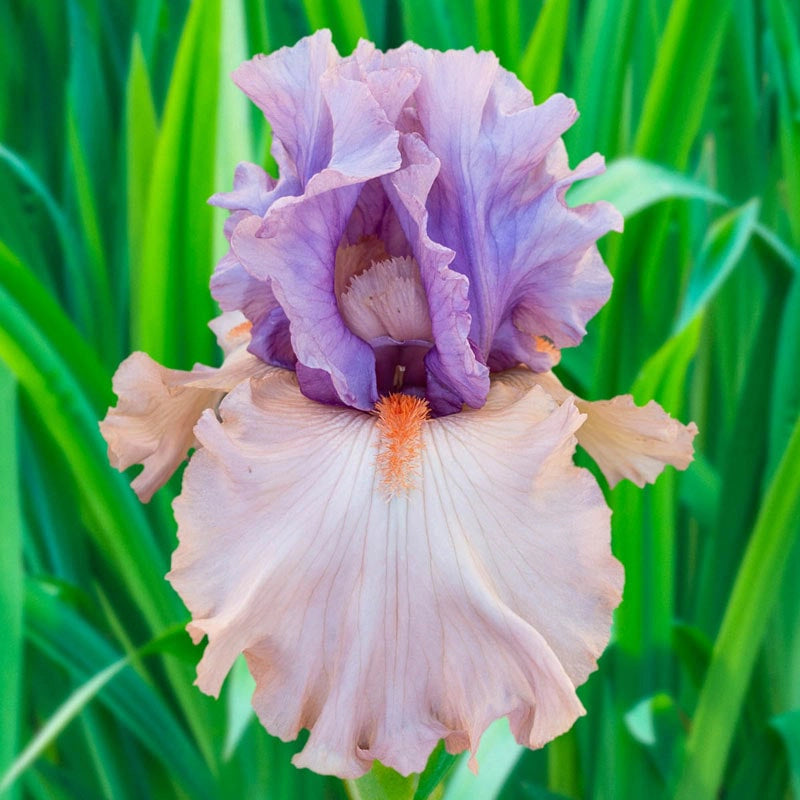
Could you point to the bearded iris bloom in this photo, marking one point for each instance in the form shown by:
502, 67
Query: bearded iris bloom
382, 511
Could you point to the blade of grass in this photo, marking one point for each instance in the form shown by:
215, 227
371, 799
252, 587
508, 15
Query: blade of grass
497, 28
176, 244
681, 81
722, 250
754, 593
381, 783
118, 524
634, 184
564, 767
141, 132
599, 87
742, 465
146, 27
100, 328
345, 19
235, 135
540, 65
197, 233
68, 639
435, 23
437, 768
120, 528
788, 726
786, 71
56, 724
645, 529
11, 585
75, 288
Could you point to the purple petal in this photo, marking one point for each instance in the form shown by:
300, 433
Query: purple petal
286, 86
252, 190
391, 86
454, 375
295, 247
235, 289
498, 202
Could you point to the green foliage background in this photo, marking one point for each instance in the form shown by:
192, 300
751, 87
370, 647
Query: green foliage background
118, 120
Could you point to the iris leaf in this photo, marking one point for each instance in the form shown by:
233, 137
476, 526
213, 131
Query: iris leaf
540, 66
751, 602
11, 585
171, 283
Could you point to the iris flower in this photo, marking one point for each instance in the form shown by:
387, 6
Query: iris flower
382, 510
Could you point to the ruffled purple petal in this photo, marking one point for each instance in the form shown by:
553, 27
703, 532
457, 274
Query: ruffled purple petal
235, 289
286, 85
295, 247
498, 202
478, 201
253, 190
454, 376
390, 85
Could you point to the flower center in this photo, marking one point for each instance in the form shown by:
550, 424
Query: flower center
382, 300
388, 301
400, 419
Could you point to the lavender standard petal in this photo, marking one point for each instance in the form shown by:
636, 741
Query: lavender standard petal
235, 289
498, 199
295, 247
454, 375
286, 86
252, 190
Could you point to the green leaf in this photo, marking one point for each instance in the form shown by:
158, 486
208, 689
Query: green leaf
681, 80
98, 322
76, 290
117, 519
439, 764
749, 607
58, 721
656, 724
599, 85
634, 184
436, 23
170, 287
235, 141
788, 726
345, 19
141, 132
11, 585
693, 648
381, 783
722, 249
240, 686
786, 72
70, 641
540, 65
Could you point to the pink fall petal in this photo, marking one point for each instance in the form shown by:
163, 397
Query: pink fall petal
157, 407
626, 440
385, 625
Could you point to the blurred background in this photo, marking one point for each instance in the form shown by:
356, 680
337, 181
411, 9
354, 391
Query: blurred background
118, 119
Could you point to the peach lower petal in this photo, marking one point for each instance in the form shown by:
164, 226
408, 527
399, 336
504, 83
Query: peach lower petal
626, 440
485, 590
157, 407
